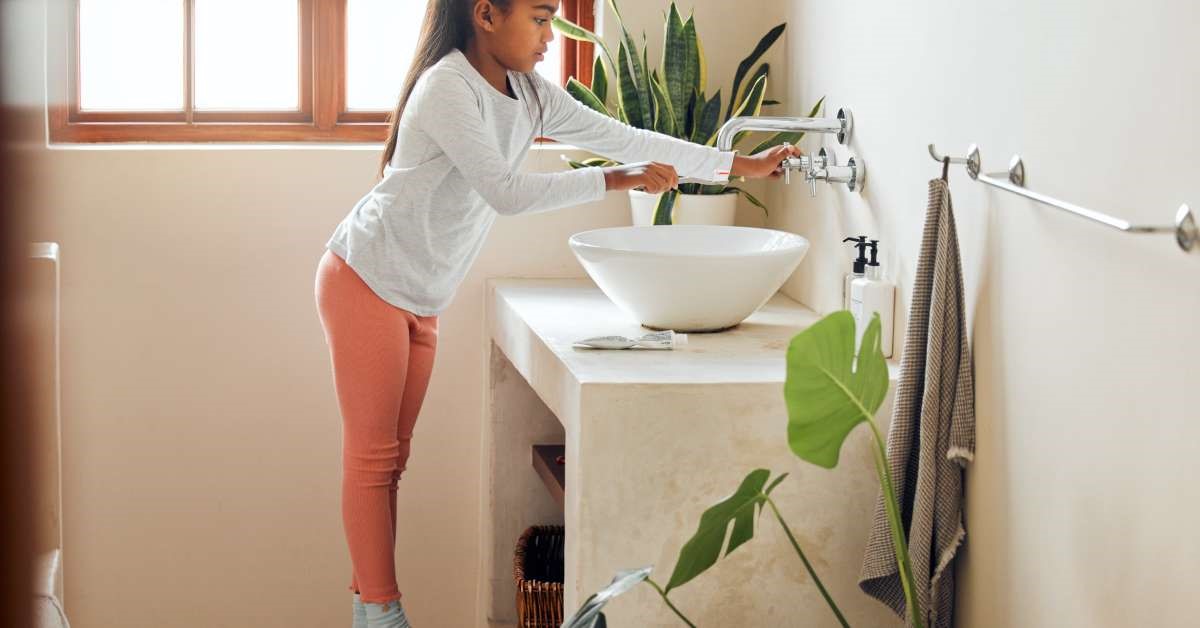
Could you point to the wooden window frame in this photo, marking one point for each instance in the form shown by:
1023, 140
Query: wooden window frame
321, 116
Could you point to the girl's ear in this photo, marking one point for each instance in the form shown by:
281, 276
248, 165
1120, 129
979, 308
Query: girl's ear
485, 15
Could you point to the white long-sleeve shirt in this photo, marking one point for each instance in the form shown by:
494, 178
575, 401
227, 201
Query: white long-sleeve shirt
413, 237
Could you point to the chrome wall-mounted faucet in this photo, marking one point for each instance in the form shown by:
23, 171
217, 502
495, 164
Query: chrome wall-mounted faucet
842, 125
823, 166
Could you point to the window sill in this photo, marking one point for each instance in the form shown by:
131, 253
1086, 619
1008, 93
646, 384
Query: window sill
351, 146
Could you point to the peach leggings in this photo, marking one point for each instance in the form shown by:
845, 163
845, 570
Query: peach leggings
381, 356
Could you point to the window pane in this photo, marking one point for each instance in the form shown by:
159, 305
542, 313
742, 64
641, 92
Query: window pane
381, 37
130, 55
247, 55
551, 67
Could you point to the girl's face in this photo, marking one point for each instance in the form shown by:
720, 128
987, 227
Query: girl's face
519, 38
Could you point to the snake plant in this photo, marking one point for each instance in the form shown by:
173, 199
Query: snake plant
673, 99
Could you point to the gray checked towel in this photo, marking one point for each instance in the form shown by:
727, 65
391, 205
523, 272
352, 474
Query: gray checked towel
932, 433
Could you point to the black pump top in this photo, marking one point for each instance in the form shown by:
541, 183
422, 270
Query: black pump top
874, 251
860, 264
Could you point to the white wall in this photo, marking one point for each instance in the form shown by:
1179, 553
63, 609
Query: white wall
1080, 507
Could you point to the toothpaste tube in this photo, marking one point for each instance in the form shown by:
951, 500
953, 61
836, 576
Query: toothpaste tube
666, 339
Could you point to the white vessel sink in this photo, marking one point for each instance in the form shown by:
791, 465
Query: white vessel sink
689, 278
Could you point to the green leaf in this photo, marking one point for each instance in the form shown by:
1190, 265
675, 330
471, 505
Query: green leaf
752, 106
771, 102
647, 91
628, 95
703, 549
585, 95
635, 85
749, 197
789, 137
680, 63
574, 31
825, 392
665, 207
708, 121
589, 611
664, 115
748, 62
600, 80
591, 162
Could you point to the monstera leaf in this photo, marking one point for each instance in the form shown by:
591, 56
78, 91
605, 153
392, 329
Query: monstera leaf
827, 394
704, 548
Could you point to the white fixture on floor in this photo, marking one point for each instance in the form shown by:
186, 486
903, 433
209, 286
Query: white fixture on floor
40, 316
689, 278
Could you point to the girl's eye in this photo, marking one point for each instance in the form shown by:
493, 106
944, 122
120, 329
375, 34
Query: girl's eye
540, 20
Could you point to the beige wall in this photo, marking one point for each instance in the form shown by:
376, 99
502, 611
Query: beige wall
200, 430
1080, 499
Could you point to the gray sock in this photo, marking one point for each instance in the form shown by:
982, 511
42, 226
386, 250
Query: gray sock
360, 612
390, 617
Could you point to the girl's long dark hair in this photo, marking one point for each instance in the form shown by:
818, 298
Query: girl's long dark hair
448, 25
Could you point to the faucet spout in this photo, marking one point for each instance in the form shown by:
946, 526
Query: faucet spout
842, 125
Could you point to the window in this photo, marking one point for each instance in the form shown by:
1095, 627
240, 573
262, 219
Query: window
261, 71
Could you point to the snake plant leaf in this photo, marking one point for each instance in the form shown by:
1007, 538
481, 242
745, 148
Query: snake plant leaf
584, 95
589, 615
636, 83
752, 106
826, 393
647, 89
574, 31
749, 197
789, 136
744, 67
591, 162
664, 115
700, 56
704, 548
681, 64
763, 70
771, 102
664, 210
600, 80
707, 121
695, 102
628, 93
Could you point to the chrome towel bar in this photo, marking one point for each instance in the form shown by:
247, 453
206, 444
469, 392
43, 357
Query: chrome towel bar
1185, 230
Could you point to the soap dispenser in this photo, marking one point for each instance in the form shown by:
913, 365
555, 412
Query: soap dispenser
872, 294
859, 268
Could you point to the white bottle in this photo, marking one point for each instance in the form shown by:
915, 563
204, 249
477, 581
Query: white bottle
869, 295
859, 268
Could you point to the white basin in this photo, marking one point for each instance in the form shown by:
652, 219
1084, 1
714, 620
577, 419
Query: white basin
689, 278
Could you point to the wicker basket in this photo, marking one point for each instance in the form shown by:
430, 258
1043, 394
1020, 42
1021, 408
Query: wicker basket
538, 570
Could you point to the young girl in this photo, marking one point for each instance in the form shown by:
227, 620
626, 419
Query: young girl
465, 120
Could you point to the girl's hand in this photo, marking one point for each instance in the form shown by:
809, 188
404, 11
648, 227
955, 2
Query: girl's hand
763, 164
649, 176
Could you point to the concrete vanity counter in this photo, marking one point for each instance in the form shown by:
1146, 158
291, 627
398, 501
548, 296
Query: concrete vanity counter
653, 438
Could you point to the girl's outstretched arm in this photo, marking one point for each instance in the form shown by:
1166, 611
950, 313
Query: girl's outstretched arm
445, 109
568, 120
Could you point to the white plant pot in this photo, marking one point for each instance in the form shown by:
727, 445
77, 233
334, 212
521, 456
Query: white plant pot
690, 209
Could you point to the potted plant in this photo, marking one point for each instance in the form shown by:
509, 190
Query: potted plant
828, 393
673, 100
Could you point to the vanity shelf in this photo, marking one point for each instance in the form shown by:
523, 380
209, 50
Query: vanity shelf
553, 474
